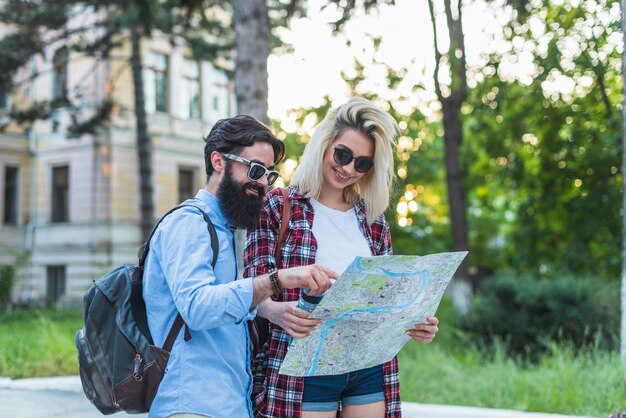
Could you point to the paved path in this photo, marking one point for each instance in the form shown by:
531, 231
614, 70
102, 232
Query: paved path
63, 397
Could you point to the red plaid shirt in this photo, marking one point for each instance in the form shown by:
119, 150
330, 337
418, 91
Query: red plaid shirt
276, 395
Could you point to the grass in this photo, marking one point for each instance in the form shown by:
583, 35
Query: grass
566, 381
589, 384
449, 371
38, 343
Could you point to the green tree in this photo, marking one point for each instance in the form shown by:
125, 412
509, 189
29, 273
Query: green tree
36, 25
543, 163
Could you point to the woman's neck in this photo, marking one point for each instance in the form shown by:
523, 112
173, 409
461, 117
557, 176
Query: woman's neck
333, 199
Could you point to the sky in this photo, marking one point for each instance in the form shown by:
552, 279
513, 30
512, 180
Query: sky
302, 78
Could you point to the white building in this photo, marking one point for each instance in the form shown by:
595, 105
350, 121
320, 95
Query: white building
69, 207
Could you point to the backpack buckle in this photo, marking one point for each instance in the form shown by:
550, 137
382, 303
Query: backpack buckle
138, 368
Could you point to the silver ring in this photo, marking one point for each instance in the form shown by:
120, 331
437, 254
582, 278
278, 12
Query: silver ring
294, 310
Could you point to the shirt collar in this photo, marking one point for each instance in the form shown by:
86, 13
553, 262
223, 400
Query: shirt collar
297, 194
214, 206
359, 208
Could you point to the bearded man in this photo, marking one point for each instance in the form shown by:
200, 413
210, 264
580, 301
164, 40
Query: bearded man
208, 374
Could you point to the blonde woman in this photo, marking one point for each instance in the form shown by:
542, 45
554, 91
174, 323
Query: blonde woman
337, 195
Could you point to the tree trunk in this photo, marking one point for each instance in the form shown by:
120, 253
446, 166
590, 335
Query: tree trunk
252, 32
144, 142
623, 330
453, 136
460, 288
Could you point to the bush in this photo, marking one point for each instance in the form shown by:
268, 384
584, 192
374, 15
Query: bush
528, 314
7, 277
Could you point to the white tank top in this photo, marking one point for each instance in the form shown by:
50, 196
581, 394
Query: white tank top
339, 237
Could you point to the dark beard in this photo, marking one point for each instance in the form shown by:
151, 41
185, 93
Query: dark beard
241, 209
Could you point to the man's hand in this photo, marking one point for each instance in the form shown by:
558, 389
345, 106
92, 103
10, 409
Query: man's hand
425, 333
294, 321
313, 277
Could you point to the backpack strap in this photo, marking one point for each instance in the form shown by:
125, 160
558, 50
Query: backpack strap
143, 254
145, 248
283, 226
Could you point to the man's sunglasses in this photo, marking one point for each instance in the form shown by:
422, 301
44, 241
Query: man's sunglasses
344, 156
256, 171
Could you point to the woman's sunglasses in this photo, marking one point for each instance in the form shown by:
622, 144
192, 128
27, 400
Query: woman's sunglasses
343, 156
256, 171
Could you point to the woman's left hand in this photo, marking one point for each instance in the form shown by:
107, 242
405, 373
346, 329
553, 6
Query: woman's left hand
295, 321
425, 333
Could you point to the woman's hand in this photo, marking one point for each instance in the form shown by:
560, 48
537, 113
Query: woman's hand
290, 318
425, 333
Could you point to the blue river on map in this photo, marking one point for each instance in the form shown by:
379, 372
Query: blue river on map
423, 278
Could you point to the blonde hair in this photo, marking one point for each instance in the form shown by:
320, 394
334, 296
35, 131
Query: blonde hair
373, 122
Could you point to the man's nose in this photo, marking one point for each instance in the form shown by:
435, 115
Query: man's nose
263, 181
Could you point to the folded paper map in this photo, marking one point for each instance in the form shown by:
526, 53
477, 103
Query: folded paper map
367, 311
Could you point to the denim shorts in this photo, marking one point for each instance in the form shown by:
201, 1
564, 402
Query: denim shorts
323, 393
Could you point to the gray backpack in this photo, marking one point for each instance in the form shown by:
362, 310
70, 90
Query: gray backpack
120, 367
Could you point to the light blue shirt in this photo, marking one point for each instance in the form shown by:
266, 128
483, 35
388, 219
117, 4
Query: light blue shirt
209, 374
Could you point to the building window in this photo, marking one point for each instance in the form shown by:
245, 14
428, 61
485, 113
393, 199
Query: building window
59, 74
60, 194
156, 88
55, 284
191, 89
11, 176
186, 183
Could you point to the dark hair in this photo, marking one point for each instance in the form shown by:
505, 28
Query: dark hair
232, 135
